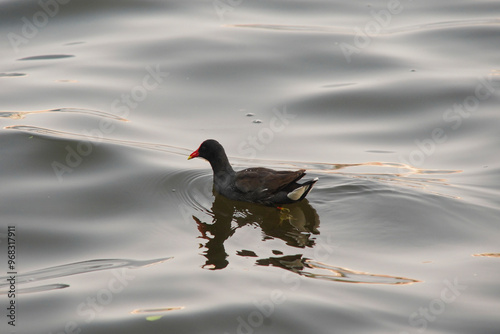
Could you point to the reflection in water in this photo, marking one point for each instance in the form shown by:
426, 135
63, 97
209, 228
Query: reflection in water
294, 225
313, 269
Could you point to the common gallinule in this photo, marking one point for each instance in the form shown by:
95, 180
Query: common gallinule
257, 184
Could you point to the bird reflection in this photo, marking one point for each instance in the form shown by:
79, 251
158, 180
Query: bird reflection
294, 224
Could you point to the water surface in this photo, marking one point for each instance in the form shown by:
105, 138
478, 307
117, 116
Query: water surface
394, 108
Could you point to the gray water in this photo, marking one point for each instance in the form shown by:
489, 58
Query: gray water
392, 105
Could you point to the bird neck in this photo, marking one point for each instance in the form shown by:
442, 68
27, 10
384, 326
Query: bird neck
220, 165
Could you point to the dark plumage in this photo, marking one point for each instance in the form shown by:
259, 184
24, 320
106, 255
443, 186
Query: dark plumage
257, 184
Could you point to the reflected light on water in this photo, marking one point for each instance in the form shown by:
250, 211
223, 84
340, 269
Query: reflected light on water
487, 254
156, 310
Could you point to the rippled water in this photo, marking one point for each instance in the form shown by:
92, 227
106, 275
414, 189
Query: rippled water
393, 105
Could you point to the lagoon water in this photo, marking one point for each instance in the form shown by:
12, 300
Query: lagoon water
394, 105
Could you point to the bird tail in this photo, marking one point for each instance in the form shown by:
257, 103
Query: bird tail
301, 192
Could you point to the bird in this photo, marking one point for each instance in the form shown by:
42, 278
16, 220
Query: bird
256, 184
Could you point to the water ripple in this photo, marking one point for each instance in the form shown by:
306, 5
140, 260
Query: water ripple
78, 136
45, 57
76, 269
192, 189
41, 288
393, 173
12, 75
23, 114
388, 31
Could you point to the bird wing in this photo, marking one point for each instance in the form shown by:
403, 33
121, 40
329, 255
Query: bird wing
265, 179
